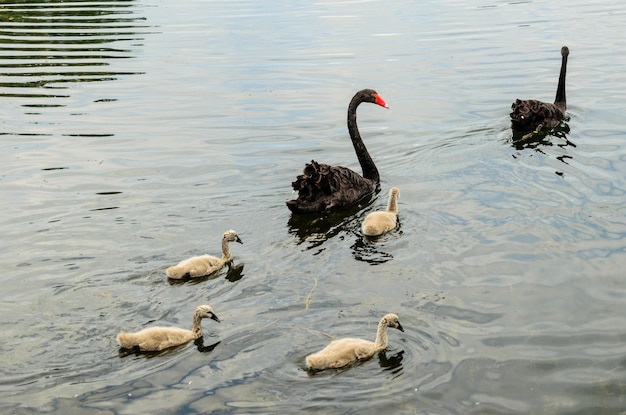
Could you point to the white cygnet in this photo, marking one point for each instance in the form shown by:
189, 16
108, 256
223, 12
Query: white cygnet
159, 338
342, 352
379, 222
199, 266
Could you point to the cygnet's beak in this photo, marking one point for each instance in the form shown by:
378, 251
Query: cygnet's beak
238, 240
400, 327
214, 317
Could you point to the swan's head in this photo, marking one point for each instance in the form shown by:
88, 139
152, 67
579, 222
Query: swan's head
206, 311
369, 95
231, 236
564, 51
392, 321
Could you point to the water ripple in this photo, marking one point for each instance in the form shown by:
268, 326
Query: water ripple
46, 46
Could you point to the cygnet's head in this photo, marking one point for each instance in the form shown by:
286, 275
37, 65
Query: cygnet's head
395, 192
393, 322
206, 311
231, 236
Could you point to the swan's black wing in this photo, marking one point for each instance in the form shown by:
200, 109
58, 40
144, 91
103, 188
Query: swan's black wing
323, 188
527, 115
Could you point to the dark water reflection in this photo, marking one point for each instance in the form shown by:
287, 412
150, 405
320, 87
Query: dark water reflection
387, 361
233, 273
556, 137
521, 142
391, 361
369, 249
199, 343
45, 46
313, 231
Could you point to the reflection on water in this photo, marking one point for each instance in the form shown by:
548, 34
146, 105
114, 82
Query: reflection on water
557, 136
521, 140
149, 354
199, 343
315, 229
391, 362
507, 275
234, 273
368, 249
44, 46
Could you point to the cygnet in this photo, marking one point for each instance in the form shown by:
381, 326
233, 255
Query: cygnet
199, 266
342, 352
379, 222
159, 338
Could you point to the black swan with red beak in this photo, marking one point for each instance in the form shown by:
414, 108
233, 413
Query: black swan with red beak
324, 188
533, 115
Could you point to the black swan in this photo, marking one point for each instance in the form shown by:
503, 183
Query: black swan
323, 188
533, 115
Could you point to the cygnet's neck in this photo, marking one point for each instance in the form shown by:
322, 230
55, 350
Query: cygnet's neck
226, 255
381, 336
196, 327
392, 203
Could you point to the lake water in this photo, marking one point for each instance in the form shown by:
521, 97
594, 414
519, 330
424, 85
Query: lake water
135, 132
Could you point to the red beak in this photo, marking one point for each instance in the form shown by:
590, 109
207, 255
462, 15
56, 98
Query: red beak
380, 101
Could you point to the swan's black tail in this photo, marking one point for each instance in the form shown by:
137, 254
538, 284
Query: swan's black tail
314, 186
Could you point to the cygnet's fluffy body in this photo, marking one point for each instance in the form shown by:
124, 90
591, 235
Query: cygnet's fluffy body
379, 222
160, 338
342, 352
199, 266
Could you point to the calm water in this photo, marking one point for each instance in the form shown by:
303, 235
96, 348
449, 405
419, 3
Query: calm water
134, 133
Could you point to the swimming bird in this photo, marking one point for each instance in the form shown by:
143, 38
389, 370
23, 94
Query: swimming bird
379, 222
533, 115
199, 266
342, 352
160, 338
323, 188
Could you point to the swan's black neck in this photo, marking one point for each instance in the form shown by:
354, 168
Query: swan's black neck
559, 100
365, 160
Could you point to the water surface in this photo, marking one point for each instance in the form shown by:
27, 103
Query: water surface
135, 132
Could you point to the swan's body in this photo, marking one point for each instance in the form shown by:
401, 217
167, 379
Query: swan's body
199, 266
323, 188
342, 352
533, 115
379, 222
160, 338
